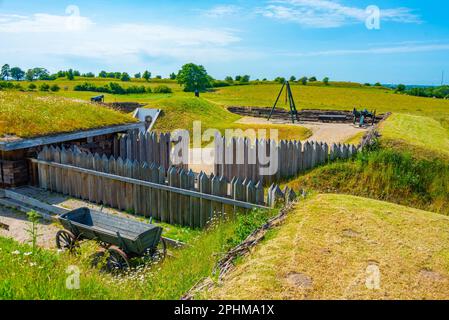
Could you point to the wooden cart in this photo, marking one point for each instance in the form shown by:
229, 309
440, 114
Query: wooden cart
122, 238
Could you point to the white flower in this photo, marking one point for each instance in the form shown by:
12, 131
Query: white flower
27, 254
16, 252
32, 264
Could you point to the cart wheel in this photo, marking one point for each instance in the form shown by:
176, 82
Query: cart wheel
159, 253
98, 257
65, 240
117, 260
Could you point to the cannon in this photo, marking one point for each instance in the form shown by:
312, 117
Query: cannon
97, 99
362, 117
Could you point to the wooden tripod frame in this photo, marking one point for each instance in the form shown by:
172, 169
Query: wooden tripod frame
291, 101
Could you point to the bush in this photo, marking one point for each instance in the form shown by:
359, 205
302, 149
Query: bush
219, 84
32, 87
44, 87
162, 89
55, 88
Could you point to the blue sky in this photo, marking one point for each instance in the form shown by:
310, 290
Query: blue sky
265, 38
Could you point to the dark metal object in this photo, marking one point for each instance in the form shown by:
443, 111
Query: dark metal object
122, 238
97, 99
4, 226
361, 117
289, 98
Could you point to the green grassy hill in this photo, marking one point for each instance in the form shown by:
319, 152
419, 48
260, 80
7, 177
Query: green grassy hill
26, 115
330, 245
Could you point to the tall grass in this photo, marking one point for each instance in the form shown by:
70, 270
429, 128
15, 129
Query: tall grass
386, 174
43, 275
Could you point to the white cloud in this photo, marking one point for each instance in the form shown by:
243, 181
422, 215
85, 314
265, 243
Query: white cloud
78, 36
220, 11
375, 50
329, 14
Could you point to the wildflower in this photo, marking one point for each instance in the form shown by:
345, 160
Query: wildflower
26, 254
32, 264
16, 252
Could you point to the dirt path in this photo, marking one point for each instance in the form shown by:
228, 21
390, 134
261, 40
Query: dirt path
18, 224
323, 132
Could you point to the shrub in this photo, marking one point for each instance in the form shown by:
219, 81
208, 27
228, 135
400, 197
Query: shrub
219, 84
162, 89
44, 87
32, 87
55, 88
149, 90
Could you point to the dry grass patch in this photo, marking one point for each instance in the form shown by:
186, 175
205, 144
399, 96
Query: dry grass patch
331, 243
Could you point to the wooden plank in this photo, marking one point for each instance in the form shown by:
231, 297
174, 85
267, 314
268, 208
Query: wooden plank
173, 181
29, 143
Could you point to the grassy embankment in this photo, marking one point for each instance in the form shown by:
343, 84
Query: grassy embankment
331, 244
26, 115
43, 275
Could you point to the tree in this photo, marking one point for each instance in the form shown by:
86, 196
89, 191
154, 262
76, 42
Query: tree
312, 79
401, 88
158, 77
238, 78
103, 74
304, 81
89, 75
146, 75
229, 79
245, 78
70, 75
326, 81
17, 74
173, 76
280, 80
193, 77
117, 75
292, 79
125, 77
5, 73
378, 84
138, 75
76, 73
29, 76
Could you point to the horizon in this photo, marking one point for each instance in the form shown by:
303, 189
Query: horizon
342, 40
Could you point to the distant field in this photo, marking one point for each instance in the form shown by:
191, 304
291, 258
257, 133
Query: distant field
181, 109
331, 245
33, 114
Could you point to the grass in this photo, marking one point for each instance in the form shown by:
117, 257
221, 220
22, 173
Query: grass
43, 276
30, 114
327, 246
386, 175
180, 113
423, 136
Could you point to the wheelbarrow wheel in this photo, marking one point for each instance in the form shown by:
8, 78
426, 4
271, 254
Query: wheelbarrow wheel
117, 260
65, 240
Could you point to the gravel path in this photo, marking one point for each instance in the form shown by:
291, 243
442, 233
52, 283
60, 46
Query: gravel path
323, 132
18, 224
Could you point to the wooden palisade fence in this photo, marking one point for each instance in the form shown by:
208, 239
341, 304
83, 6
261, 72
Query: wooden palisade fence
174, 196
147, 147
239, 157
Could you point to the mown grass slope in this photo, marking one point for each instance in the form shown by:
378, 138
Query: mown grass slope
29, 114
331, 245
425, 137
181, 112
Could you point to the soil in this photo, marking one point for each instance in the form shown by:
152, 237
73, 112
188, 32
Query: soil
18, 224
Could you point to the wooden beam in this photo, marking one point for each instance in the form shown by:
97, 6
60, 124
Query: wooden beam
34, 203
29, 143
184, 192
